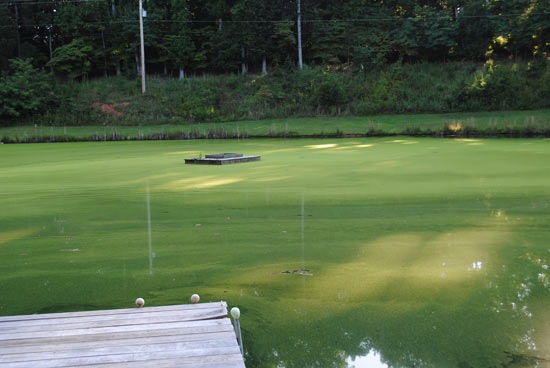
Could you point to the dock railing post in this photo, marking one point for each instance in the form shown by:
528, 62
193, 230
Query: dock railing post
236, 314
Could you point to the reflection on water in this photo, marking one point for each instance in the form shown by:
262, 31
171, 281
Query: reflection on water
371, 360
491, 323
149, 232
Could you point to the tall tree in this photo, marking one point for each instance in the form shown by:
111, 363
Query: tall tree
180, 45
299, 25
7, 37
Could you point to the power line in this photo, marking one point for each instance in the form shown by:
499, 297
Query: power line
70, 24
61, 2
252, 21
383, 19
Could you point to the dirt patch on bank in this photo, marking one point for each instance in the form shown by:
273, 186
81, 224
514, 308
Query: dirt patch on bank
110, 109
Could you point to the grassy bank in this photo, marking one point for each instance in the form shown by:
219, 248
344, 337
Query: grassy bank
312, 92
502, 123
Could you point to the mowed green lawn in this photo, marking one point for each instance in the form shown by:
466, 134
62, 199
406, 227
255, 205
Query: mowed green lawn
431, 252
377, 124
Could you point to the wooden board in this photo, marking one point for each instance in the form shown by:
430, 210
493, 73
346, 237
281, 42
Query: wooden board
193, 335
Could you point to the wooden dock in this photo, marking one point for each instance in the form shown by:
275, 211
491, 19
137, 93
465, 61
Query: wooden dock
189, 335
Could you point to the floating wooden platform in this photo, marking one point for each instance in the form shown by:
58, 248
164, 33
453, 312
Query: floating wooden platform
222, 159
189, 335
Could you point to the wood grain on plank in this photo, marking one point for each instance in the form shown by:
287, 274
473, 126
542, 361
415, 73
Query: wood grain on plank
189, 331
213, 361
123, 320
105, 330
71, 344
113, 311
117, 350
121, 358
185, 314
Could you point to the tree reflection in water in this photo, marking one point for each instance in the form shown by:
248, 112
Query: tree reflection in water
499, 322
371, 360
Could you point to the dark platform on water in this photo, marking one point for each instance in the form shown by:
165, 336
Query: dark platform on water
222, 159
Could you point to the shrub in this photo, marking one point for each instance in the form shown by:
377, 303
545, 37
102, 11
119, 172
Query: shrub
72, 60
501, 87
330, 91
25, 91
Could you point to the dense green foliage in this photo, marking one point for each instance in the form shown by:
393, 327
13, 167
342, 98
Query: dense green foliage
361, 58
283, 93
217, 36
25, 91
72, 60
432, 252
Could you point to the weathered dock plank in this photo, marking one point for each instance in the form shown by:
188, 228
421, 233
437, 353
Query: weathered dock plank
187, 347
108, 330
185, 328
103, 312
198, 335
218, 361
46, 345
112, 320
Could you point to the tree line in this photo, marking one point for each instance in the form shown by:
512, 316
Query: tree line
87, 38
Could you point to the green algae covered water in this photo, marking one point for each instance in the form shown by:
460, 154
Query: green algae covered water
390, 252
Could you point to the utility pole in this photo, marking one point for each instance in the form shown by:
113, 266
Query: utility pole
17, 29
50, 40
300, 63
142, 46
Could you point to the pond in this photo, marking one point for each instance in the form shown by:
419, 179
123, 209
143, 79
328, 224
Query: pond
374, 252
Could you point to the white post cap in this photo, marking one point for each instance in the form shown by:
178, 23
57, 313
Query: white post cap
235, 312
140, 302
